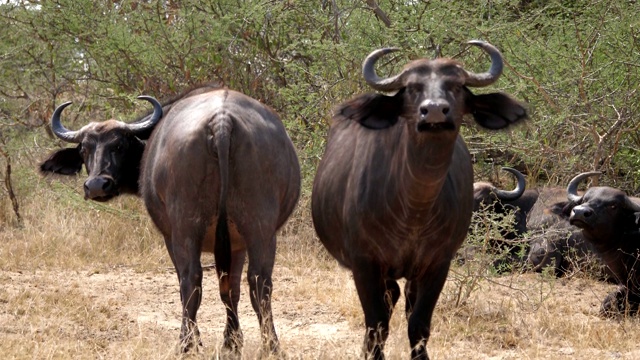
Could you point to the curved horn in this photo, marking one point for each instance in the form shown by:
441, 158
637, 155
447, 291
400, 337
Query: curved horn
632, 205
62, 132
489, 77
572, 188
515, 193
370, 76
152, 119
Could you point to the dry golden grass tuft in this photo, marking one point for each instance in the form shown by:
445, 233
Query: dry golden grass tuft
84, 280
61, 229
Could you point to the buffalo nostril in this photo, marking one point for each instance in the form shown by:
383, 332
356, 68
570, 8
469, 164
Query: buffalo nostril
582, 212
108, 184
99, 187
434, 108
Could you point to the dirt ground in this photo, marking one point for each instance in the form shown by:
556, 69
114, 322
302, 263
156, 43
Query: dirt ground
122, 313
149, 304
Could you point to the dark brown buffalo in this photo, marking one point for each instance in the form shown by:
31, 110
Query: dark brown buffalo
547, 209
519, 200
554, 244
494, 205
609, 221
393, 194
488, 195
218, 173
562, 250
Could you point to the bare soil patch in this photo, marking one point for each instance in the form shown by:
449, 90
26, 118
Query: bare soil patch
91, 314
124, 313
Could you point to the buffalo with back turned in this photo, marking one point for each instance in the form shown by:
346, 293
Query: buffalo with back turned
217, 173
393, 194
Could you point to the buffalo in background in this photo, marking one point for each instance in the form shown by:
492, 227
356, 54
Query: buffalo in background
554, 243
540, 237
493, 206
393, 194
217, 172
609, 222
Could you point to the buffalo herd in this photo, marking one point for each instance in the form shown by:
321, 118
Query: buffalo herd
393, 196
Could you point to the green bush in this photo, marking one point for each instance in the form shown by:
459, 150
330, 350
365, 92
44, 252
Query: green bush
574, 62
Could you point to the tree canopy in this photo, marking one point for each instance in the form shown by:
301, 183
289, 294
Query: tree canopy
574, 62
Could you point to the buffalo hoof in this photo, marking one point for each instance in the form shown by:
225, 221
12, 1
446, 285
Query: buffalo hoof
233, 341
229, 354
190, 345
277, 353
620, 303
190, 338
271, 350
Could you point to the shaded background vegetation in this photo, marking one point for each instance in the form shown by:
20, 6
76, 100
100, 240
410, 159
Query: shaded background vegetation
576, 63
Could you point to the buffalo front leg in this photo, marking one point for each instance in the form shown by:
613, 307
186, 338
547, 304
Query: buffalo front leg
230, 296
185, 252
621, 302
427, 290
261, 261
377, 297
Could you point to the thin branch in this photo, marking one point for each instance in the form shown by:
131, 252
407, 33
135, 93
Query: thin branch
9, 185
379, 13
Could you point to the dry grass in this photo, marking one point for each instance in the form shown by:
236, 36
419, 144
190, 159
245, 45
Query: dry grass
83, 280
62, 230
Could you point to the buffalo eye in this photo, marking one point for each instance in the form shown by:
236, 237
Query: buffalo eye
84, 151
118, 148
455, 88
613, 206
415, 88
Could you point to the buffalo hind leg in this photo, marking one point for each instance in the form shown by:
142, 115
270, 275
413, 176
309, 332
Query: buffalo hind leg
186, 256
392, 294
410, 295
377, 297
261, 262
230, 296
426, 296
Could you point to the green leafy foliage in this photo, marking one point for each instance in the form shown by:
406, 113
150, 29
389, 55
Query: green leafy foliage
574, 62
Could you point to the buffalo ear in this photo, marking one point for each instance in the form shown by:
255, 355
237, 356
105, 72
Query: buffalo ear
373, 111
64, 162
561, 209
496, 110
